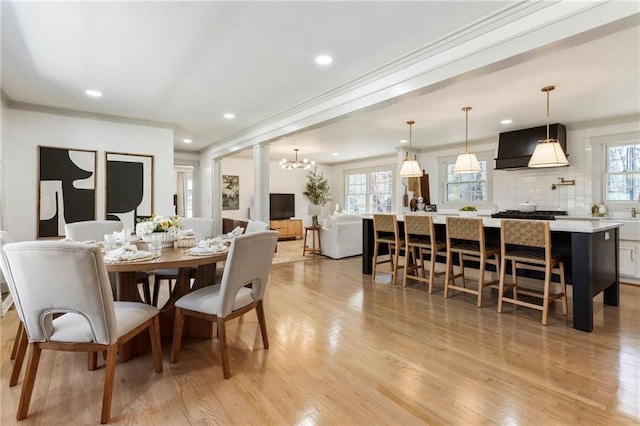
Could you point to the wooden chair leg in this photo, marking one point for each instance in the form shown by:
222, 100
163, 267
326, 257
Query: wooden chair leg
92, 360
20, 353
16, 342
448, 274
563, 284
178, 324
263, 324
514, 279
156, 344
375, 261
405, 268
503, 269
222, 342
29, 380
109, 377
545, 299
481, 281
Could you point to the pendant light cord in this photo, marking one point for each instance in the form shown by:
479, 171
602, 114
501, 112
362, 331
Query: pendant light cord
466, 129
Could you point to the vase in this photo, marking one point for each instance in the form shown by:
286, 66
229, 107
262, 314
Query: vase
168, 238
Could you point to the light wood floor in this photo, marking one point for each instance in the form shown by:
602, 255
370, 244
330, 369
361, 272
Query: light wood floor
347, 351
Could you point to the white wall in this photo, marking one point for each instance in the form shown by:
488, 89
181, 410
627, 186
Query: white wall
280, 181
23, 131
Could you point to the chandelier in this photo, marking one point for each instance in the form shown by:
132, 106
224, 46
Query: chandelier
296, 164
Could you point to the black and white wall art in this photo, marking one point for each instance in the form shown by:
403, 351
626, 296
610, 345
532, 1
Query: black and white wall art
129, 182
66, 188
230, 192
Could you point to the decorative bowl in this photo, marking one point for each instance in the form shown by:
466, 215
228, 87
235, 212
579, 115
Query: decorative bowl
168, 238
467, 213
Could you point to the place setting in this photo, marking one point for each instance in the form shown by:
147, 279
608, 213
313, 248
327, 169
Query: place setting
129, 253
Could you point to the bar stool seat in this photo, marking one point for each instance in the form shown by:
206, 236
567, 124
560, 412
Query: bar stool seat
465, 237
527, 245
420, 239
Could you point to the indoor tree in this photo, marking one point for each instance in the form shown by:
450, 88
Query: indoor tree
318, 192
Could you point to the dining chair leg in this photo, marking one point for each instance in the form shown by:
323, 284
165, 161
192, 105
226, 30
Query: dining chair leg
481, 281
222, 342
92, 360
501, 284
375, 261
16, 342
563, 284
29, 379
545, 300
448, 274
109, 377
178, 324
156, 344
263, 324
20, 353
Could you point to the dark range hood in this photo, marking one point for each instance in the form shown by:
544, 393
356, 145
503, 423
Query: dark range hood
515, 147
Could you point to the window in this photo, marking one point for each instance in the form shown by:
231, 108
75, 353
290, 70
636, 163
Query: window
622, 177
369, 191
466, 187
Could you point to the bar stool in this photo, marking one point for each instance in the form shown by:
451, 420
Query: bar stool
315, 233
527, 244
466, 238
386, 233
420, 238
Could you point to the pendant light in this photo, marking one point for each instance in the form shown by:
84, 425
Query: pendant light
296, 164
467, 162
410, 167
548, 152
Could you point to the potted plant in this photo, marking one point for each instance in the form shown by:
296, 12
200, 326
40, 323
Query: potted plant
468, 211
318, 192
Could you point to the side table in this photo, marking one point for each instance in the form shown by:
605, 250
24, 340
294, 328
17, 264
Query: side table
315, 233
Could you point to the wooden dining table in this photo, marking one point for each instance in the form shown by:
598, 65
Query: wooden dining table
170, 258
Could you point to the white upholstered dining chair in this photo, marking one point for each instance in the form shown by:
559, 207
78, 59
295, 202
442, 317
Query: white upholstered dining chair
94, 230
201, 226
62, 292
255, 226
244, 280
20, 342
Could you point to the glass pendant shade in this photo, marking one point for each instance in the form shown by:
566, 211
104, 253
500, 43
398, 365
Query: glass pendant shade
548, 152
410, 167
467, 162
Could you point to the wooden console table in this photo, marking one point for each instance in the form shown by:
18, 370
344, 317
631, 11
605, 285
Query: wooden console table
288, 229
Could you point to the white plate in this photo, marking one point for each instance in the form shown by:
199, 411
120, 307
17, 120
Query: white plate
140, 256
201, 251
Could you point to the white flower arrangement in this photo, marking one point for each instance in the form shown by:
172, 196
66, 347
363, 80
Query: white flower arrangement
158, 224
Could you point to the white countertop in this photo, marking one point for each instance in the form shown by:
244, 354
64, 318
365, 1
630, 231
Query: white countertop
565, 225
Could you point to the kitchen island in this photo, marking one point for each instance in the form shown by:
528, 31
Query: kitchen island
590, 248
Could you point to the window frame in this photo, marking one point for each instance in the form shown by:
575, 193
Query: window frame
442, 172
605, 172
368, 171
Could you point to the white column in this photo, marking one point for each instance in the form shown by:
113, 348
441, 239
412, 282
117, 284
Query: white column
216, 194
260, 183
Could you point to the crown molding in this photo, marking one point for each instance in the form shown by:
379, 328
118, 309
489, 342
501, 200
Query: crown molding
44, 109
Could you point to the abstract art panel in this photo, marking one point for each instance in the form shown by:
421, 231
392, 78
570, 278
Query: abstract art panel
230, 192
66, 188
129, 184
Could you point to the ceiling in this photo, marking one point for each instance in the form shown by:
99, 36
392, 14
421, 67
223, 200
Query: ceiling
185, 64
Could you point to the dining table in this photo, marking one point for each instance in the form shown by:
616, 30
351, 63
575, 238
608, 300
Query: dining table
169, 258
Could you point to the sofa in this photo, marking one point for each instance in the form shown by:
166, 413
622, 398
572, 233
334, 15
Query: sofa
341, 235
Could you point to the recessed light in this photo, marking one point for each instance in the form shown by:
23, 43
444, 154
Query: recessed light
324, 60
229, 116
187, 140
335, 154
507, 121
403, 141
93, 93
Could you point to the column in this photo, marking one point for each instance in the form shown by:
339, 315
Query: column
216, 194
260, 183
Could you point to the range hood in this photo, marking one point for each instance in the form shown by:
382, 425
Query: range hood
516, 147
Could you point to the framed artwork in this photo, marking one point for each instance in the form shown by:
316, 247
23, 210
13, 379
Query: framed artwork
66, 188
129, 187
230, 192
